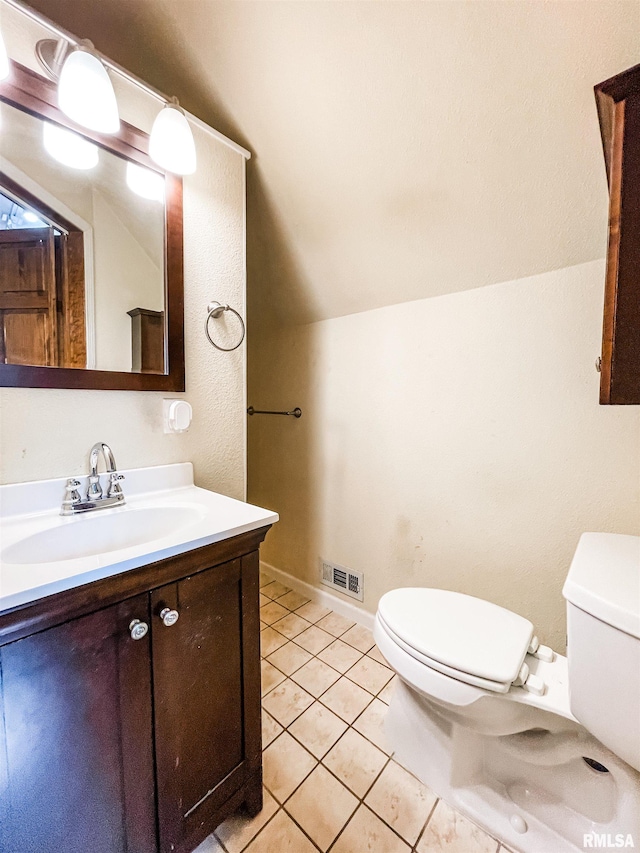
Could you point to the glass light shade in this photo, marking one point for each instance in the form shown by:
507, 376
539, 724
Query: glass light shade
85, 93
4, 60
145, 182
171, 143
69, 148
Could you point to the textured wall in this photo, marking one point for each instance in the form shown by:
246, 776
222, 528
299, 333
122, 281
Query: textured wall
48, 433
454, 442
403, 150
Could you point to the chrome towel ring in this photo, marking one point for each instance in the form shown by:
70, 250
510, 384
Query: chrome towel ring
215, 310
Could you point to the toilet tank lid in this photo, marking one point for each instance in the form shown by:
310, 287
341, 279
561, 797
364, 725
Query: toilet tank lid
604, 579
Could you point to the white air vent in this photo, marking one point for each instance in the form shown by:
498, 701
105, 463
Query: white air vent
343, 579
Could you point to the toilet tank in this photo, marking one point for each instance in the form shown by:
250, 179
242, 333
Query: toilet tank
602, 591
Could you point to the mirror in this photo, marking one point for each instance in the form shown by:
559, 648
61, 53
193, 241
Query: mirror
90, 252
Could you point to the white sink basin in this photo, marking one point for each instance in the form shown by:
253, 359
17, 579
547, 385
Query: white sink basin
43, 553
85, 535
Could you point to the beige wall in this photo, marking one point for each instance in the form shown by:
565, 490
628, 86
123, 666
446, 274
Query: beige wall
455, 442
48, 433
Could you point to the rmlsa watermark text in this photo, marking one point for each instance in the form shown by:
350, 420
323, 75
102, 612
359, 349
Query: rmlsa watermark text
607, 841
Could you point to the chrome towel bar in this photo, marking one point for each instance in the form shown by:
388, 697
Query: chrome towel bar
296, 413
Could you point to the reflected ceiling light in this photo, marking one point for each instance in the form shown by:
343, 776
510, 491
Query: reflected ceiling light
85, 91
30, 217
171, 143
145, 182
69, 148
4, 60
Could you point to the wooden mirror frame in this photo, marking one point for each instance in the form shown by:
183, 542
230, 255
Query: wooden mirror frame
37, 96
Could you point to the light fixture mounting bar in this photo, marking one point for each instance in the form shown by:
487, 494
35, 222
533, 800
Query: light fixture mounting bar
51, 55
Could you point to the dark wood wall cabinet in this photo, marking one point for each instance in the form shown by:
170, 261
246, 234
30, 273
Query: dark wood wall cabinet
112, 744
618, 102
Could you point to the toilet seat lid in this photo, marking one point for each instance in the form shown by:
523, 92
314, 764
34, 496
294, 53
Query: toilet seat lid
464, 633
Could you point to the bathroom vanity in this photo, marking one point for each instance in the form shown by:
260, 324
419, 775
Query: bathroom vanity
130, 701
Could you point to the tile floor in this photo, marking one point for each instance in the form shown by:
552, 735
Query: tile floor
330, 781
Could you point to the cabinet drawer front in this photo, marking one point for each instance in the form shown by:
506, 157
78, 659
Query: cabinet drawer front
76, 739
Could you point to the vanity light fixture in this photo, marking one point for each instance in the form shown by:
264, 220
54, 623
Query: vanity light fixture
145, 182
85, 91
69, 148
4, 60
86, 95
171, 143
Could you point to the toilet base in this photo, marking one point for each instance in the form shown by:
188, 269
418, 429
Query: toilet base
534, 780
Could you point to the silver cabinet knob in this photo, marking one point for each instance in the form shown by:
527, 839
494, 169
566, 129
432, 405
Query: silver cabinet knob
599, 364
138, 629
169, 617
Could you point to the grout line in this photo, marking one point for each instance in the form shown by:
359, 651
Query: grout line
341, 674
321, 595
426, 823
317, 762
266, 823
220, 842
357, 717
318, 698
360, 800
300, 606
320, 761
281, 807
375, 695
335, 636
335, 743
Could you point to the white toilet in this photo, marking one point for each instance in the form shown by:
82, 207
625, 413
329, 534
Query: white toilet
541, 750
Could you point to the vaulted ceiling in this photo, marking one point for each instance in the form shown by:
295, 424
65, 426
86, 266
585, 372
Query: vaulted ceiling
401, 149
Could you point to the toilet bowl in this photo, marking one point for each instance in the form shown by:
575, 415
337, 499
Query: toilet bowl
541, 750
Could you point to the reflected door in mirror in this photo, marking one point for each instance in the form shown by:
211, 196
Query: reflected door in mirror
41, 298
28, 297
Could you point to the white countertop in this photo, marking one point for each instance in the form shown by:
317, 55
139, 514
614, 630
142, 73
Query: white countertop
31, 510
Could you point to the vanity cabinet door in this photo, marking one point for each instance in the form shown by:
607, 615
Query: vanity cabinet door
206, 683
76, 750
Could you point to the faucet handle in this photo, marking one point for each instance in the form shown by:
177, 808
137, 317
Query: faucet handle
71, 496
114, 488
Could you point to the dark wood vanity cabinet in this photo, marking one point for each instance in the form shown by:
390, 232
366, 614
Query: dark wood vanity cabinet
115, 745
618, 102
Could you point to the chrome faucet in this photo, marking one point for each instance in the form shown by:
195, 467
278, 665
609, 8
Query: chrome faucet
94, 499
